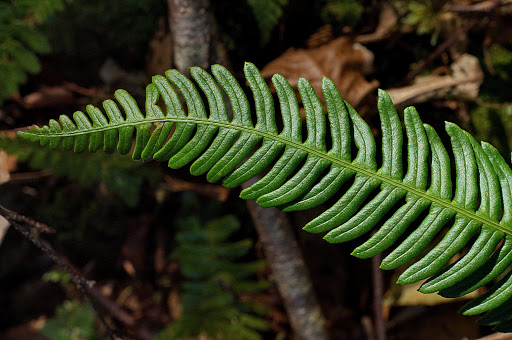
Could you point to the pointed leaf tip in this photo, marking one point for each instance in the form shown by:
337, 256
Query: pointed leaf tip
382, 93
327, 82
449, 125
249, 65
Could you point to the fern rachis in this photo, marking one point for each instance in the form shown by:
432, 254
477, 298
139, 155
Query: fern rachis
236, 150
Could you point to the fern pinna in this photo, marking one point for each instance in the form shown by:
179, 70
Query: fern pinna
304, 172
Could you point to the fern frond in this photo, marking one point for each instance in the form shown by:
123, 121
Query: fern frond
304, 173
214, 282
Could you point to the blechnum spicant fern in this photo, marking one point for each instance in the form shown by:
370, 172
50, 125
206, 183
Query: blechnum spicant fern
215, 281
304, 172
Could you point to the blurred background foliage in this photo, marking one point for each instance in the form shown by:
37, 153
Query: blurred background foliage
267, 14
21, 40
72, 321
215, 282
491, 115
105, 28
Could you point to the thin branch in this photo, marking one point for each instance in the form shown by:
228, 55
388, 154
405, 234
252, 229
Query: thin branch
440, 49
482, 7
82, 284
12, 216
97, 300
30, 175
289, 271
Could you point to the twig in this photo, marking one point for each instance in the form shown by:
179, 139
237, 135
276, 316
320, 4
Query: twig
85, 287
82, 284
482, 7
12, 216
30, 176
378, 292
440, 49
289, 271
110, 306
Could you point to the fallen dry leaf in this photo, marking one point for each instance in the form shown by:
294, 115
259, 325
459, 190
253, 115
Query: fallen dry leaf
388, 22
409, 295
4, 226
322, 36
5, 164
463, 83
48, 96
497, 336
340, 60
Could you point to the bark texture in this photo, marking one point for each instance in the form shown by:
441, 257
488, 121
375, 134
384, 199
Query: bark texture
195, 35
289, 271
191, 29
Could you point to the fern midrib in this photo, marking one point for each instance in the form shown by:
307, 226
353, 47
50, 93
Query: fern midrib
289, 142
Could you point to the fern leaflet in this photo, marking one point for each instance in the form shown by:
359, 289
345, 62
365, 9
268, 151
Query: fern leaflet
304, 172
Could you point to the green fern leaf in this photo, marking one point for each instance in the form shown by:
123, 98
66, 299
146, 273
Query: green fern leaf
303, 172
214, 280
267, 14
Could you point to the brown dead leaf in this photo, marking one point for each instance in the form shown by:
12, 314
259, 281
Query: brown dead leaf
5, 163
388, 22
409, 295
463, 83
497, 336
322, 36
4, 226
8, 163
48, 96
340, 60
129, 299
